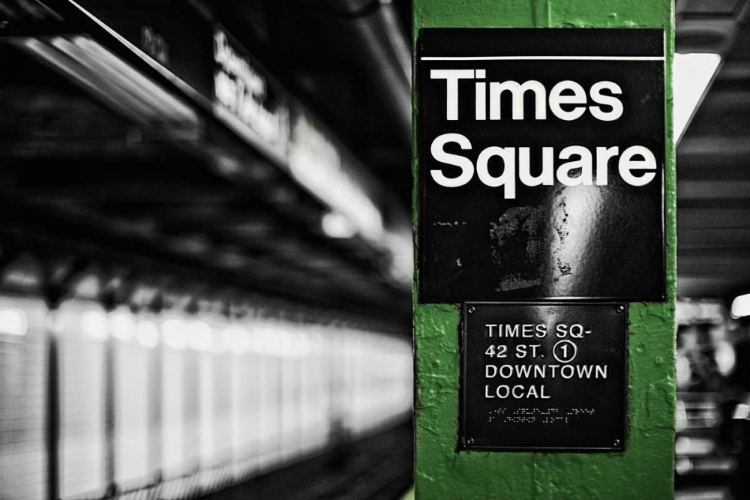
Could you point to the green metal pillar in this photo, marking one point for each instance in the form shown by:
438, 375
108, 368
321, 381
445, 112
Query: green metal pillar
645, 469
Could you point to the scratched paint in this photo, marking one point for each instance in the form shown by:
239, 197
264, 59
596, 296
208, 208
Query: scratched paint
541, 233
644, 471
530, 221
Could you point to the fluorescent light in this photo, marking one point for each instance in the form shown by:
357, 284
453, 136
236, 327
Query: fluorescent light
725, 356
692, 75
236, 338
147, 334
200, 335
741, 306
123, 326
13, 322
336, 225
95, 324
174, 333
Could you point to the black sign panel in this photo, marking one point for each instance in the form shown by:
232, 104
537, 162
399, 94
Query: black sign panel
541, 164
543, 377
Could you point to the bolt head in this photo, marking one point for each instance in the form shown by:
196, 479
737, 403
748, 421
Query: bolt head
472, 309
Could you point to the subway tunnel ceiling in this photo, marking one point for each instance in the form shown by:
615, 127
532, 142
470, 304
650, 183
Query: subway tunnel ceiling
713, 178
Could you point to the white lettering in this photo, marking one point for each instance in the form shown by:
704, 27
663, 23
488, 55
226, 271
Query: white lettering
628, 164
603, 155
467, 168
606, 100
506, 373
583, 164
578, 170
518, 90
557, 100
451, 77
507, 178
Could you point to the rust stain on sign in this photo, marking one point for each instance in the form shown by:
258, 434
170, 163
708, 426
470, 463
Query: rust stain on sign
522, 243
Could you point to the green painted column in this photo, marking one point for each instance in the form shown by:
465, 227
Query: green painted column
645, 469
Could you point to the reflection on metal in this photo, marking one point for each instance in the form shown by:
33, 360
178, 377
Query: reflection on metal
574, 232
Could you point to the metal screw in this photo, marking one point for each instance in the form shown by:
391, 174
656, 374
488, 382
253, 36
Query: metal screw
620, 309
472, 309
470, 441
617, 442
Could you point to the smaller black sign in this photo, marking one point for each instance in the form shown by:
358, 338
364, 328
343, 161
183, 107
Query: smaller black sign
543, 377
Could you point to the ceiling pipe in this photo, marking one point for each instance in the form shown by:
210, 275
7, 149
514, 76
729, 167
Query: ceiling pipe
373, 25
